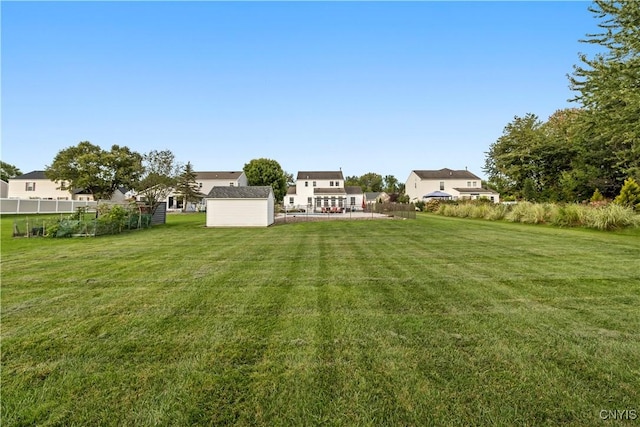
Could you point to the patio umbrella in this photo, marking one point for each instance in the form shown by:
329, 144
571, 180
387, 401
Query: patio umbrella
437, 194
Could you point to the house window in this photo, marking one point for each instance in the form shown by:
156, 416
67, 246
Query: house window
29, 186
63, 185
290, 200
333, 201
231, 184
340, 202
441, 185
330, 183
353, 201
199, 185
474, 184
306, 183
468, 183
314, 183
309, 201
318, 202
326, 201
337, 183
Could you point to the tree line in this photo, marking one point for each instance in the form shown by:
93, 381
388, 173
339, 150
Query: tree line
577, 152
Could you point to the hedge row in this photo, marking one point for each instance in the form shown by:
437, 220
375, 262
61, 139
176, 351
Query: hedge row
602, 217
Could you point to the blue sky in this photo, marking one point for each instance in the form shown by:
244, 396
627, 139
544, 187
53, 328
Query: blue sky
385, 87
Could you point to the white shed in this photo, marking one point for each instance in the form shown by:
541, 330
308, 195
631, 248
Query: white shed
240, 207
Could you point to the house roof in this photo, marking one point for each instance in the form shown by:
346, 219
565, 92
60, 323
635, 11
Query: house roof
32, 175
375, 195
338, 191
254, 192
320, 175
291, 190
475, 190
353, 189
218, 175
445, 174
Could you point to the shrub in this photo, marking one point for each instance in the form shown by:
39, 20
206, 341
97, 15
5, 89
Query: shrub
597, 196
629, 194
570, 216
497, 212
518, 212
611, 217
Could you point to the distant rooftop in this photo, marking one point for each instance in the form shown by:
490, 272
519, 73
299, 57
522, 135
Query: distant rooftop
320, 175
446, 174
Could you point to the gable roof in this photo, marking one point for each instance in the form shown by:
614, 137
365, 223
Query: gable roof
32, 175
475, 190
218, 175
255, 192
353, 189
329, 191
320, 175
445, 174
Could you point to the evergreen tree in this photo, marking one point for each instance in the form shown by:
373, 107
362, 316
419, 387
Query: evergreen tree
187, 187
629, 194
609, 89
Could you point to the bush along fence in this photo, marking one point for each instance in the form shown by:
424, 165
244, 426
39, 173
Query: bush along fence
601, 216
104, 219
398, 210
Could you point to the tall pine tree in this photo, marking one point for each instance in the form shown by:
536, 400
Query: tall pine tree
609, 89
187, 187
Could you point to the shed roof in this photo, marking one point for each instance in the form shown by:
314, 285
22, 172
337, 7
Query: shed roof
320, 175
445, 174
254, 192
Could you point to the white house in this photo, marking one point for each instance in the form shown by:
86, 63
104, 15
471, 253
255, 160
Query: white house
240, 206
206, 181
36, 185
423, 185
318, 190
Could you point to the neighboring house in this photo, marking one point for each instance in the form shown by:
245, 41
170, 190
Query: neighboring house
423, 185
240, 206
4, 189
36, 185
318, 190
372, 197
206, 181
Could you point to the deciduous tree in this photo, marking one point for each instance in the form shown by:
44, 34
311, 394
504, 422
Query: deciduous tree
8, 171
159, 177
267, 172
87, 166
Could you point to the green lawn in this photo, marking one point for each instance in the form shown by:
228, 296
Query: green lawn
434, 321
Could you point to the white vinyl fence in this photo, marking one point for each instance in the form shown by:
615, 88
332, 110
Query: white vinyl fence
39, 206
